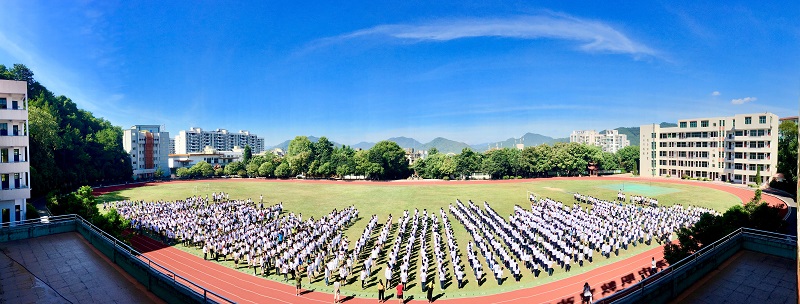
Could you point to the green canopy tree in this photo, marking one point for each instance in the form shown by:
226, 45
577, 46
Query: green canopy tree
787, 150
233, 168
283, 170
467, 162
299, 154
391, 158
247, 155
628, 158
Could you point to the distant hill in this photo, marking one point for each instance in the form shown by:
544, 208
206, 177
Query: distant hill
633, 132
363, 145
445, 145
529, 140
406, 142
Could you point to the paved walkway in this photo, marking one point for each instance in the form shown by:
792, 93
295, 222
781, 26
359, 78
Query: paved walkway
747, 277
64, 268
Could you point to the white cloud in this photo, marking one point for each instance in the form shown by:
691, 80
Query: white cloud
594, 36
716, 93
745, 100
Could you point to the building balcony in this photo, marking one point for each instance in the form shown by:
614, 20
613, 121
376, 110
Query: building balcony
12, 194
13, 141
14, 114
14, 167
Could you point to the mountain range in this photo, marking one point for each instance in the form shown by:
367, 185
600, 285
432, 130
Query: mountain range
445, 145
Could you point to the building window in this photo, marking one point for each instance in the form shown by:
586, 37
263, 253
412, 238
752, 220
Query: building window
683, 124
762, 119
704, 123
693, 124
3, 103
747, 120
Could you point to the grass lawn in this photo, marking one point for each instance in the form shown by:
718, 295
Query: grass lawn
312, 199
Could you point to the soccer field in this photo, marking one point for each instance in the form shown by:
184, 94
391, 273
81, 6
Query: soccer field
383, 198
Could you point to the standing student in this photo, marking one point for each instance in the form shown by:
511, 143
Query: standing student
586, 296
363, 277
399, 290
653, 266
336, 287
297, 283
381, 290
430, 291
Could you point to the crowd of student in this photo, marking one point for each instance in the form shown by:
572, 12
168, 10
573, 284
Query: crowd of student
251, 236
547, 236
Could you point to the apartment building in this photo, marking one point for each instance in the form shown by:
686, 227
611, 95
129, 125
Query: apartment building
608, 140
14, 166
195, 140
728, 149
149, 150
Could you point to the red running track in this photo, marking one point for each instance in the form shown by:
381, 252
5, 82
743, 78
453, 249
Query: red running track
245, 288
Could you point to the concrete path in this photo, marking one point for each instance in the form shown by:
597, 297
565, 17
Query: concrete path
64, 268
748, 277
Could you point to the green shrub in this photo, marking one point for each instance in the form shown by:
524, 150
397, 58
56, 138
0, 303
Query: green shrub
668, 176
505, 176
447, 178
684, 176
31, 212
519, 177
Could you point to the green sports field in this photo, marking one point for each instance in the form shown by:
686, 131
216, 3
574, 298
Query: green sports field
317, 199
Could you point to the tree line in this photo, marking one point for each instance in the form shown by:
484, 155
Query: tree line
387, 160
69, 147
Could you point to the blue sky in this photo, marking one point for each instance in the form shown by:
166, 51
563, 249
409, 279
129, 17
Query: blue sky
472, 71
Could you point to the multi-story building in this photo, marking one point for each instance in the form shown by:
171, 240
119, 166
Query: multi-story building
171, 146
608, 140
195, 140
719, 148
149, 150
14, 167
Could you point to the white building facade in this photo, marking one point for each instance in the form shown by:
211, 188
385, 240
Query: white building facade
728, 149
608, 140
210, 155
195, 140
14, 166
148, 147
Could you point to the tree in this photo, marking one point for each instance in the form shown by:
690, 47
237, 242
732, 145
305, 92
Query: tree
365, 166
233, 168
433, 151
343, 159
467, 162
247, 154
758, 176
299, 154
252, 169
69, 147
203, 169
283, 170
267, 169
183, 172
391, 158
787, 150
609, 161
628, 158
159, 172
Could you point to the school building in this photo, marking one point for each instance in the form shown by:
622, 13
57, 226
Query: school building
718, 148
149, 150
14, 166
